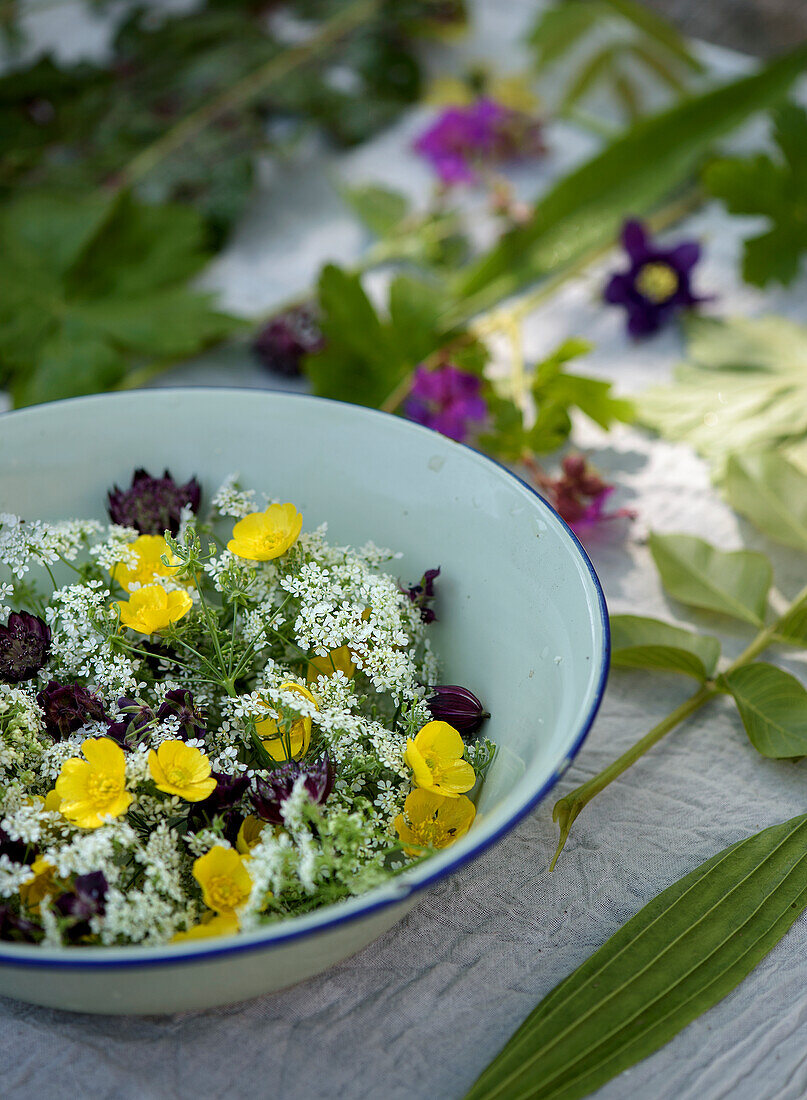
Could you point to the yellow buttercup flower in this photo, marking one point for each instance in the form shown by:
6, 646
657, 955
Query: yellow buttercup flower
278, 736
435, 757
42, 882
148, 549
94, 788
249, 834
53, 802
181, 769
224, 879
218, 924
338, 660
431, 820
261, 536
151, 609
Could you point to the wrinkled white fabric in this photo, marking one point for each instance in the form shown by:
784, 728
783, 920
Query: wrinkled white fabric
422, 1011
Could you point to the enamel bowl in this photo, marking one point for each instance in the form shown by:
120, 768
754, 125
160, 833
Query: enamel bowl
522, 621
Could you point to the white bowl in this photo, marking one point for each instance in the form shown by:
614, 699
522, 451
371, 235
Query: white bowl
522, 622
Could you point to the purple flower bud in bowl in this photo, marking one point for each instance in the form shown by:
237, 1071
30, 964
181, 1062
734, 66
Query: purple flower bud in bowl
67, 707
153, 505
222, 802
136, 719
16, 928
422, 594
270, 793
24, 647
179, 704
87, 899
284, 342
458, 706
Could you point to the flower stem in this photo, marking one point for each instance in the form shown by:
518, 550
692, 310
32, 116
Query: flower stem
246, 89
567, 809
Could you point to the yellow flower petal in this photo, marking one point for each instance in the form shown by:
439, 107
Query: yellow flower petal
224, 879
262, 536
435, 757
220, 924
151, 609
149, 550
41, 883
276, 738
431, 820
249, 834
338, 660
181, 769
94, 788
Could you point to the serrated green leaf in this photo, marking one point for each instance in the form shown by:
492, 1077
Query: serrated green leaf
639, 642
381, 209
743, 390
680, 954
773, 707
629, 177
54, 228
593, 397
73, 362
772, 493
734, 583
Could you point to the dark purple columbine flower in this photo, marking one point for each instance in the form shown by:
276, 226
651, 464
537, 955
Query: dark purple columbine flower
67, 707
87, 899
446, 399
228, 792
657, 283
284, 342
458, 706
18, 851
135, 719
579, 495
465, 138
16, 928
422, 594
270, 794
153, 505
24, 647
179, 704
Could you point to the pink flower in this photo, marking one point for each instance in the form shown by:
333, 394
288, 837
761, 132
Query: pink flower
579, 495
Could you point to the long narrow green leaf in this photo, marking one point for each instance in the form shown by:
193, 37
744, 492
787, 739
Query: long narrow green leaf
629, 177
676, 958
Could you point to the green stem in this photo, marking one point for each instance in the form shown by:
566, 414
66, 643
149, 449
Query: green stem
568, 808
246, 89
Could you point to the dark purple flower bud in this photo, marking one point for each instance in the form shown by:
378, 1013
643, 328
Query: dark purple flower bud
458, 706
179, 704
24, 647
16, 928
226, 796
153, 505
87, 899
446, 399
284, 342
270, 793
422, 594
18, 851
136, 719
657, 282
67, 707
579, 495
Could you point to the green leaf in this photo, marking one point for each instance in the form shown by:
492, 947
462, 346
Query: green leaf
561, 27
415, 307
679, 956
772, 493
633, 174
743, 389
734, 583
54, 228
74, 361
381, 209
656, 28
638, 642
775, 189
791, 629
773, 707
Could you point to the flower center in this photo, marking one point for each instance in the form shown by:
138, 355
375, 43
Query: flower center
102, 789
657, 282
270, 540
177, 776
430, 834
224, 893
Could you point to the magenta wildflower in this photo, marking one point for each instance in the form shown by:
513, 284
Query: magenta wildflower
270, 793
284, 342
579, 495
458, 706
24, 647
153, 505
657, 283
464, 138
446, 399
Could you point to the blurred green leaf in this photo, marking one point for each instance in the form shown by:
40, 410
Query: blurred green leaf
639, 642
734, 583
775, 189
772, 493
742, 390
629, 177
381, 209
773, 707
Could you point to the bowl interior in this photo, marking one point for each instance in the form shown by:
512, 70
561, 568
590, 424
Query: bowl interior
521, 619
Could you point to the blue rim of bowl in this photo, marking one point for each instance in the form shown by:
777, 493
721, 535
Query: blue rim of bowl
277, 938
